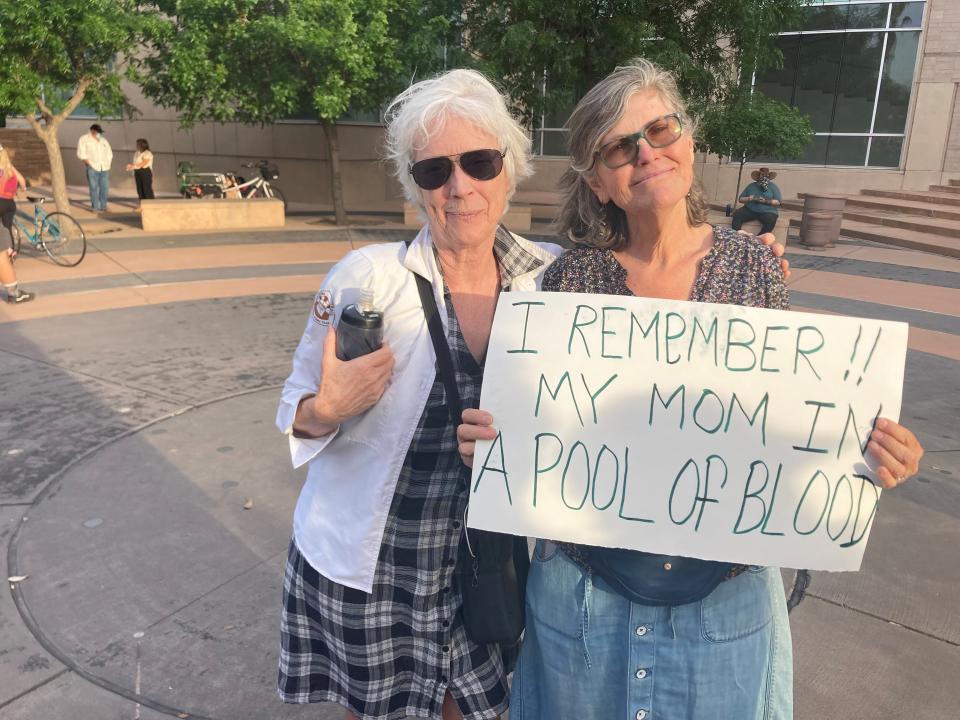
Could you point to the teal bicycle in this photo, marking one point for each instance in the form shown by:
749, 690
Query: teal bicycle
57, 234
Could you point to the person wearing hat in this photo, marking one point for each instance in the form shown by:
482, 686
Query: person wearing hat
761, 200
96, 153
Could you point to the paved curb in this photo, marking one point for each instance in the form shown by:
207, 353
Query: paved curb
13, 565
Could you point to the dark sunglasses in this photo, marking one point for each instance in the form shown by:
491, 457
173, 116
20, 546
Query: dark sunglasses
658, 133
434, 172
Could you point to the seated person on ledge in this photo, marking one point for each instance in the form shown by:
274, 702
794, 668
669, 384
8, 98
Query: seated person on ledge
761, 199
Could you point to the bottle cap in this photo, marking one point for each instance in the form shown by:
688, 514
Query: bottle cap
366, 300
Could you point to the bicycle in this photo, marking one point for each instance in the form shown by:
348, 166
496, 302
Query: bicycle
220, 185
58, 234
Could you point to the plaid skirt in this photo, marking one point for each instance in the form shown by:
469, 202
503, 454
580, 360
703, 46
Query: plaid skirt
397, 651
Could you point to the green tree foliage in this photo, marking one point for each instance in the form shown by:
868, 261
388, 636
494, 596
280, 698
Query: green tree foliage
751, 124
59, 53
572, 44
257, 61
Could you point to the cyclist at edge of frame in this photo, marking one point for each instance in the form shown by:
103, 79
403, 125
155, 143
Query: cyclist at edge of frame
10, 182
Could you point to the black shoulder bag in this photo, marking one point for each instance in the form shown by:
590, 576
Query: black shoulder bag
491, 567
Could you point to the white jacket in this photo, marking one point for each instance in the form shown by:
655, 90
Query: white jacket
341, 514
97, 152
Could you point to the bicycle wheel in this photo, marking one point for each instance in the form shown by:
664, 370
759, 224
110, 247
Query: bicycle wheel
274, 191
63, 240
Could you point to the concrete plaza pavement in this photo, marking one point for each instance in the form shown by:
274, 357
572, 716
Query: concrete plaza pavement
144, 489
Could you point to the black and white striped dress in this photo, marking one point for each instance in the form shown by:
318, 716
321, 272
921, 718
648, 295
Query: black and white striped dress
395, 653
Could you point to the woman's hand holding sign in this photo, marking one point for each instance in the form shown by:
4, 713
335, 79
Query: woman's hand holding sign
477, 425
898, 451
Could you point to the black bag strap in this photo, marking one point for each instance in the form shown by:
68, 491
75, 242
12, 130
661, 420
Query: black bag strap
440, 347
445, 363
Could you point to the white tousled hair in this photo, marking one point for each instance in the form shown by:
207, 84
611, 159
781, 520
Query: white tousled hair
420, 112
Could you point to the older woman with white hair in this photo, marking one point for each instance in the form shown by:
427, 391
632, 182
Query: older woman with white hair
372, 610
615, 634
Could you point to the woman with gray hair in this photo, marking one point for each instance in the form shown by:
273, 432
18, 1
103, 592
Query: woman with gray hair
371, 608
621, 634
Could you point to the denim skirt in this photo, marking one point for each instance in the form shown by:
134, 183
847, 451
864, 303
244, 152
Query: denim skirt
591, 654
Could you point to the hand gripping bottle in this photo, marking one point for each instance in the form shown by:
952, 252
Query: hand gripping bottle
360, 329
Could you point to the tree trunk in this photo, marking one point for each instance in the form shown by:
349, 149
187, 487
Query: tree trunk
336, 186
48, 134
58, 177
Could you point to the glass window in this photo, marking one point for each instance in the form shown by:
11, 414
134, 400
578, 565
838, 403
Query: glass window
778, 83
844, 17
559, 114
548, 136
58, 97
885, 152
846, 150
819, 68
360, 116
85, 111
815, 153
868, 16
554, 142
852, 76
906, 15
857, 82
350, 116
897, 82
829, 17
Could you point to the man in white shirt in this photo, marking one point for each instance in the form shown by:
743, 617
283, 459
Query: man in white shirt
96, 153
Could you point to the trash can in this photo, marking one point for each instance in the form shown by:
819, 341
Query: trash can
817, 232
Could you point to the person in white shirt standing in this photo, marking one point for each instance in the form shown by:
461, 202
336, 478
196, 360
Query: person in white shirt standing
142, 167
97, 155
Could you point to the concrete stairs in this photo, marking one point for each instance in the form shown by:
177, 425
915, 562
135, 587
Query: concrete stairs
927, 220
28, 154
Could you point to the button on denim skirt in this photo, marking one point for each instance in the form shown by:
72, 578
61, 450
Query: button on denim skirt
591, 654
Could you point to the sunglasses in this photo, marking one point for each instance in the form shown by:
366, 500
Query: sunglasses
658, 133
433, 173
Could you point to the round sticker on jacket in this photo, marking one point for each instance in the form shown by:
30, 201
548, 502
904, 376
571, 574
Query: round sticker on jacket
323, 308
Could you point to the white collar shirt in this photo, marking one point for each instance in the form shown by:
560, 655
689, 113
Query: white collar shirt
97, 152
145, 157
342, 510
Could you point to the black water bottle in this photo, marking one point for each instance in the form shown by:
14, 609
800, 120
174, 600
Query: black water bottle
360, 330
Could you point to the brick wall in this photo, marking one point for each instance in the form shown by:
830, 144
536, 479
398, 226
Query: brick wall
27, 154
941, 64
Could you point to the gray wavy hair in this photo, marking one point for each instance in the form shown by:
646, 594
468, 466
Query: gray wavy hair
420, 112
582, 217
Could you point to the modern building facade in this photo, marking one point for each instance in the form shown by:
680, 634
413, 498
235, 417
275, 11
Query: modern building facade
878, 79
